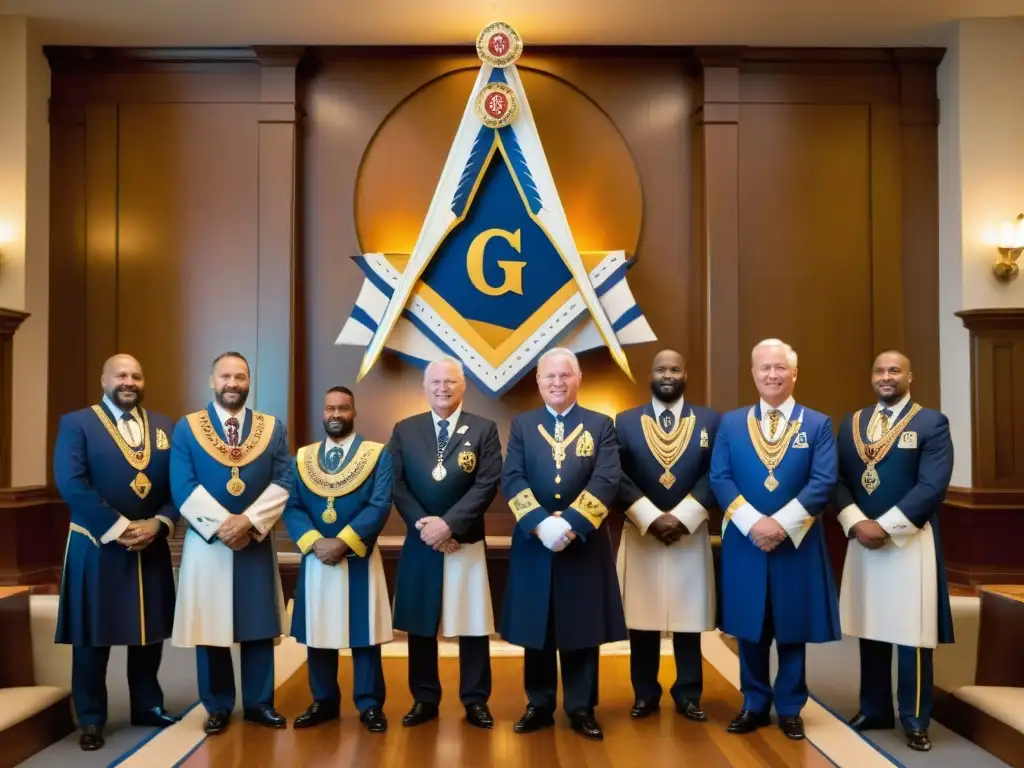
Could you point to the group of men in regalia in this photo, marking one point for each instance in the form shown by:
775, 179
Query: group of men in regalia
772, 468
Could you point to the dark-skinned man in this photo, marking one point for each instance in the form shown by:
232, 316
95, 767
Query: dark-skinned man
111, 465
562, 600
447, 467
230, 477
895, 464
665, 568
340, 500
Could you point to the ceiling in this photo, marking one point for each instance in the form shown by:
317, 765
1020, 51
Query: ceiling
576, 22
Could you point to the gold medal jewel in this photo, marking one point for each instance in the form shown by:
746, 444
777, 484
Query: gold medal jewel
439, 473
141, 485
872, 454
235, 486
329, 515
770, 452
667, 448
499, 45
496, 105
667, 479
870, 479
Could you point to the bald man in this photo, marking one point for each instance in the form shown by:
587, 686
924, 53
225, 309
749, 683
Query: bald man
111, 465
895, 464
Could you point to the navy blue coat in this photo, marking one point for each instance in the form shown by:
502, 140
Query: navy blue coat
577, 587
640, 470
472, 460
108, 595
913, 479
798, 580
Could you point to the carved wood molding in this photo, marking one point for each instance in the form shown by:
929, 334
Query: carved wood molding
996, 319
10, 321
985, 498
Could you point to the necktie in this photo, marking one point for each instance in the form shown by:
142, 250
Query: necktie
334, 457
886, 415
232, 425
668, 421
442, 436
129, 432
774, 415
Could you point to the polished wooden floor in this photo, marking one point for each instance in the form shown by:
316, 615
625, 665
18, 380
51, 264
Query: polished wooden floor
664, 739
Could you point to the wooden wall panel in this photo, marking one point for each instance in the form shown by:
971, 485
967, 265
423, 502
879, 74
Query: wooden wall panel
805, 246
10, 320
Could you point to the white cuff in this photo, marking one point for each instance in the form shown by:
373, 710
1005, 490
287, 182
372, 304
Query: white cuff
794, 518
690, 513
849, 517
267, 509
898, 526
203, 512
115, 531
643, 513
166, 521
744, 518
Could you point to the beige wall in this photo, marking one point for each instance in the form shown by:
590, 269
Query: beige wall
981, 168
24, 234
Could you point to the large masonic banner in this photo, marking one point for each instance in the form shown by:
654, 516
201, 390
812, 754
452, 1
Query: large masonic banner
495, 277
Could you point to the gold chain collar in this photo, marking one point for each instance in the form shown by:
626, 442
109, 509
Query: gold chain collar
137, 458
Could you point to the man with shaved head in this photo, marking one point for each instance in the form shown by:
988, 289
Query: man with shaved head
665, 569
111, 465
895, 464
447, 464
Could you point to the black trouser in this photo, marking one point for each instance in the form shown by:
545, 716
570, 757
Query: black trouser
89, 681
474, 670
579, 674
645, 659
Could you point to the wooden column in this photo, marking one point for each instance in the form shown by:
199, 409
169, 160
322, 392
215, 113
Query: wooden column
717, 160
10, 320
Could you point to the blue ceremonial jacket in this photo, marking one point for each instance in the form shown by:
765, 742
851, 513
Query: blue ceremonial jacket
353, 504
264, 442
914, 476
108, 595
641, 470
472, 461
578, 586
796, 581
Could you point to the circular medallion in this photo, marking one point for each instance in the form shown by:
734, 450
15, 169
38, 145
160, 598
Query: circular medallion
439, 473
499, 45
139, 456
329, 515
235, 486
496, 105
236, 454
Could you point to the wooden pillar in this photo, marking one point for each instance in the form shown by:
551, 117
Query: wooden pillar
717, 127
10, 321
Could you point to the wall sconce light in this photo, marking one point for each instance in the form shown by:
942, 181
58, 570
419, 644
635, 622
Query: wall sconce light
1010, 245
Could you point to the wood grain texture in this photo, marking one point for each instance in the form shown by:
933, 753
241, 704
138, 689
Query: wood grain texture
33, 532
1000, 629
664, 739
10, 321
981, 531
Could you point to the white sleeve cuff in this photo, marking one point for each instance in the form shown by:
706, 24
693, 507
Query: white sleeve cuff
267, 509
643, 513
203, 512
115, 531
849, 517
690, 513
744, 518
794, 518
898, 526
166, 521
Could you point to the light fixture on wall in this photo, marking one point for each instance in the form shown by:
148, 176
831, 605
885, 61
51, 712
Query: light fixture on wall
1009, 245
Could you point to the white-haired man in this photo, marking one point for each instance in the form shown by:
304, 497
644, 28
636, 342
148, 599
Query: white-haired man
561, 475
447, 465
773, 468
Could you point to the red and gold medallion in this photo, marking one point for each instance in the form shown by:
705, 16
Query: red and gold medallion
499, 45
496, 105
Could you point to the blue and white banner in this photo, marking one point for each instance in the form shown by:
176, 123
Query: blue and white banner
495, 278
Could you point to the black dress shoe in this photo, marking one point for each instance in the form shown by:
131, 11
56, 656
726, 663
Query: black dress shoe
918, 740
792, 726
374, 720
583, 722
317, 713
217, 723
91, 738
157, 717
691, 711
265, 716
479, 715
748, 722
643, 708
533, 720
420, 713
862, 722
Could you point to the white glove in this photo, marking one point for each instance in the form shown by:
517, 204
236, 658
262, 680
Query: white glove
552, 533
